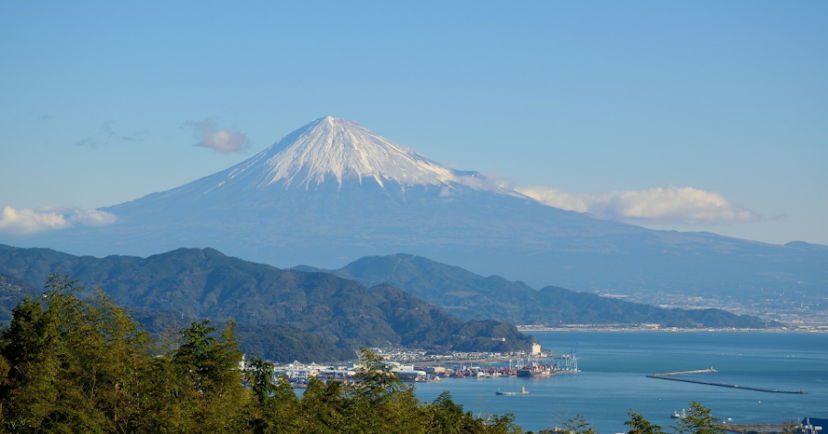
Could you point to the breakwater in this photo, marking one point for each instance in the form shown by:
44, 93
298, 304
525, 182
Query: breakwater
671, 376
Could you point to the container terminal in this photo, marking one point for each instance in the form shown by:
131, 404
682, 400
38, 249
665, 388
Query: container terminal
428, 369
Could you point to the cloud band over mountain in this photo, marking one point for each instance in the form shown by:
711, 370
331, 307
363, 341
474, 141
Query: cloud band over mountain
683, 205
29, 221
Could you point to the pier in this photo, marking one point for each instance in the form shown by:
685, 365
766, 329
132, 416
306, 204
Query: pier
671, 376
744, 428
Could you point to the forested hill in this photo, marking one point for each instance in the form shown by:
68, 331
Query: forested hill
273, 342
278, 343
470, 296
203, 283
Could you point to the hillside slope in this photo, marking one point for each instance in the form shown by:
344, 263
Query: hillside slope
275, 343
207, 284
471, 296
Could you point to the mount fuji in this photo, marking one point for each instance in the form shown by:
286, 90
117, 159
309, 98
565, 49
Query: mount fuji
334, 191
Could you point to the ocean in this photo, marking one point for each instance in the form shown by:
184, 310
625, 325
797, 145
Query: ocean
613, 379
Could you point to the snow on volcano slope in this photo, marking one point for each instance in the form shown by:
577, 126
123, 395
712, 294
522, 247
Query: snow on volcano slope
344, 148
330, 151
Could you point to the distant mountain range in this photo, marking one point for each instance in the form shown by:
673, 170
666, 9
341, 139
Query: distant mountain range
195, 283
333, 191
470, 296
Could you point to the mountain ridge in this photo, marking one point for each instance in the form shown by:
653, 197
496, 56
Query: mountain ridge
471, 296
336, 217
204, 283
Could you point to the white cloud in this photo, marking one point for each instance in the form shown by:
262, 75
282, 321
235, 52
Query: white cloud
685, 205
222, 141
476, 182
91, 217
557, 198
28, 221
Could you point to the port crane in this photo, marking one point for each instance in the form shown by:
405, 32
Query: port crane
568, 362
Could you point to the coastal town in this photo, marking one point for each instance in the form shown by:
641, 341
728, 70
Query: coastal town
421, 366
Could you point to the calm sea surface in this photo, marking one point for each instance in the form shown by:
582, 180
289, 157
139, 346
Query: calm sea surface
612, 379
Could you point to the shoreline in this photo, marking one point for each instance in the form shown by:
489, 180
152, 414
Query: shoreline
609, 328
480, 361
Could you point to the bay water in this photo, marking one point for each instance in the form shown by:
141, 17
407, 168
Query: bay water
613, 379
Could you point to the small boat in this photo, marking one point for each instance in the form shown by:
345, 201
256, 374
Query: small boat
522, 392
676, 414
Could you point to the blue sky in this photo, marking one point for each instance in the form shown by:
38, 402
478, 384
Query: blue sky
590, 105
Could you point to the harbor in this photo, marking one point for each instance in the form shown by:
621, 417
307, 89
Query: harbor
475, 378
299, 374
490, 381
418, 367
615, 365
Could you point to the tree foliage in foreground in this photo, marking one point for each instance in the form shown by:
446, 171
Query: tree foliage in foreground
69, 364
699, 421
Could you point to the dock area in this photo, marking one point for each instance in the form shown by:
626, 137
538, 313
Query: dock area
765, 428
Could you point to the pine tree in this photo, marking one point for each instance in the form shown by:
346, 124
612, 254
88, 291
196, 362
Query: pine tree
639, 425
699, 421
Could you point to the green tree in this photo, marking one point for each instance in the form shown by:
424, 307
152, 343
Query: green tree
579, 425
74, 365
639, 425
699, 421
447, 417
28, 391
503, 424
326, 409
375, 380
216, 400
276, 407
380, 402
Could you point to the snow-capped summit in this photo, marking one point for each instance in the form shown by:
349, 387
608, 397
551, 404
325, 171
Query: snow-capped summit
328, 155
329, 149
343, 148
